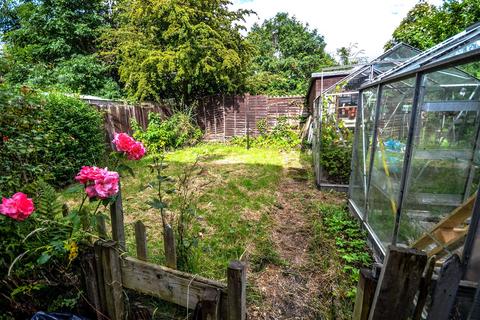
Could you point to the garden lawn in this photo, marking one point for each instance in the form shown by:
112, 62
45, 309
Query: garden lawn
259, 206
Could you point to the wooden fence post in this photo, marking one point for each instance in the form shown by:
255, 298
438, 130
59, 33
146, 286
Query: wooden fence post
236, 291
141, 240
116, 216
112, 277
424, 289
101, 227
446, 287
91, 282
365, 293
398, 283
100, 281
170, 247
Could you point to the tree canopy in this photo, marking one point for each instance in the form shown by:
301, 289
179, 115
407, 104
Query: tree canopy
288, 52
180, 49
426, 25
51, 43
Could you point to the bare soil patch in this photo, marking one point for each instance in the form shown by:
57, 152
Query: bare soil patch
296, 289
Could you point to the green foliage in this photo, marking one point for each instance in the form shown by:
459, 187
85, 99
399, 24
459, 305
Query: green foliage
426, 25
335, 149
282, 136
37, 255
349, 240
287, 53
52, 44
177, 131
178, 49
45, 136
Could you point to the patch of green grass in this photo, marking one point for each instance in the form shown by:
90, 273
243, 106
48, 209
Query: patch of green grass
238, 193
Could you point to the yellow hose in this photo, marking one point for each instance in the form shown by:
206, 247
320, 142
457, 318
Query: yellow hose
387, 173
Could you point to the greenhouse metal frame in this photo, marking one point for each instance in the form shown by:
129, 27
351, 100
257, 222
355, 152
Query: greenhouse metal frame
416, 153
330, 105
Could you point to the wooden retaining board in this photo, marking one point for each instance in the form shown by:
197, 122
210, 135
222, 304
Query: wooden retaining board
170, 285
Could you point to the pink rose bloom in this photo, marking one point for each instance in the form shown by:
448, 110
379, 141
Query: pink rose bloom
136, 152
18, 207
123, 142
107, 186
91, 192
88, 174
133, 149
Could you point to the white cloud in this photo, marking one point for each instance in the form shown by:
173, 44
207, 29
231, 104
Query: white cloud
369, 23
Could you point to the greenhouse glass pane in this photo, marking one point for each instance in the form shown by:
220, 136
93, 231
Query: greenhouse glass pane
392, 132
470, 45
364, 135
444, 170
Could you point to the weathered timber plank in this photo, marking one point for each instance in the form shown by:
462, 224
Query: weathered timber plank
170, 247
141, 240
455, 218
446, 287
168, 284
236, 288
398, 283
425, 284
116, 216
365, 293
101, 227
100, 280
112, 278
91, 283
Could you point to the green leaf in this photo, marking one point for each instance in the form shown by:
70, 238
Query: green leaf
75, 188
157, 204
43, 258
125, 168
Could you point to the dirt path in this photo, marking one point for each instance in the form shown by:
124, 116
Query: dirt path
297, 288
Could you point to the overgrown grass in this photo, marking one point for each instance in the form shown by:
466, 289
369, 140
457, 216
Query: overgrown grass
337, 234
238, 190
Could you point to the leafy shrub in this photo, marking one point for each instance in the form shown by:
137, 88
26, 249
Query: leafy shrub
349, 240
177, 131
45, 136
335, 149
83, 74
282, 136
38, 257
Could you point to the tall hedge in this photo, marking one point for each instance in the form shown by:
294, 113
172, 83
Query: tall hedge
48, 136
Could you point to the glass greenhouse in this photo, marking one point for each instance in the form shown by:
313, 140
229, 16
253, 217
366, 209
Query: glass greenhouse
416, 157
335, 112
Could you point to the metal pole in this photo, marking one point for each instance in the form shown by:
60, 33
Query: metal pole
374, 147
408, 155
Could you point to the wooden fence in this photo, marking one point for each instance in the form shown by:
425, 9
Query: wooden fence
119, 114
224, 117
221, 117
406, 288
108, 270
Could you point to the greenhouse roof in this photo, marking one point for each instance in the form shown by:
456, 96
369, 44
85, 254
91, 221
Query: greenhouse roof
464, 45
391, 58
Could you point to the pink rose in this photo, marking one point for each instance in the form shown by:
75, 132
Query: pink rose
91, 192
136, 152
108, 185
18, 207
123, 142
133, 149
100, 183
88, 174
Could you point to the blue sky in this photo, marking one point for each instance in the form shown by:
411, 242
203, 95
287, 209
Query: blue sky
369, 23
